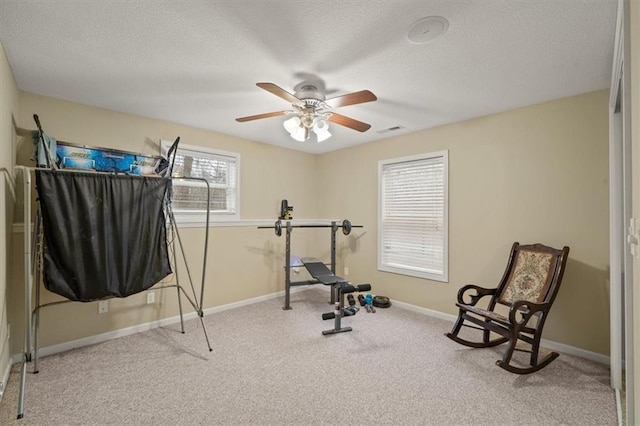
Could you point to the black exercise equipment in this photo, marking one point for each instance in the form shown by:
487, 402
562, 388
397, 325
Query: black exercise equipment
381, 302
285, 211
339, 288
341, 311
165, 166
346, 227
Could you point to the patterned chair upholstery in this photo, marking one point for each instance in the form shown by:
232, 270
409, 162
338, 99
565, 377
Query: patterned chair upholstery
528, 288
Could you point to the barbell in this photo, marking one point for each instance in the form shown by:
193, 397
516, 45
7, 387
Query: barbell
277, 227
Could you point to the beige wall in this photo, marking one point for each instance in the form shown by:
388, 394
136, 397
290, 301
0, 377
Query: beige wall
265, 181
536, 174
8, 108
243, 261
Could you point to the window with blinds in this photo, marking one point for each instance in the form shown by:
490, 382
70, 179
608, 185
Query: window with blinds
413, 222
220, 169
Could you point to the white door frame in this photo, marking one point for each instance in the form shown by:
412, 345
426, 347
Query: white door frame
620, 199
616, 241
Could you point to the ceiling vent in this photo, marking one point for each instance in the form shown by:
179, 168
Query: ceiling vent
390, 129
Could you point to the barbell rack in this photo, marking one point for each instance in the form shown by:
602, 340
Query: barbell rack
346, 227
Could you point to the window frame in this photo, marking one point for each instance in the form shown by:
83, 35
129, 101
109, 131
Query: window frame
444, 277
198, 217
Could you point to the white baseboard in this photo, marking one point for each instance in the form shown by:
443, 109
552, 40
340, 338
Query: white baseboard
92, 340
5, 379
425, 311
99, 338
549, 344
5, 374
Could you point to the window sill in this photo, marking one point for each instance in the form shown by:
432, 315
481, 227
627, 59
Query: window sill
186, 220
413, 273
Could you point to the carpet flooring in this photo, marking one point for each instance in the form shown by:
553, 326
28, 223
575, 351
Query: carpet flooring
274, 367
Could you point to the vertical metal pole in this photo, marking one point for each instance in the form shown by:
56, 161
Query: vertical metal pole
334, 291
287, 268
36, 326
23, 380
174, 259
197, 304
39, 248
334, 228
26, 173
340, 311
28, 277
204, 267
206, 248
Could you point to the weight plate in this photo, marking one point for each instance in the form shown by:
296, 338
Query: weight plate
278, 228
346, 227
381, 302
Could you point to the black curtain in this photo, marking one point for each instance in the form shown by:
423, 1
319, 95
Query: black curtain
104, 235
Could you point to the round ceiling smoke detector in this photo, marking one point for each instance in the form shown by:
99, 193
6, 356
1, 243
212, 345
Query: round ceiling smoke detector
427, 29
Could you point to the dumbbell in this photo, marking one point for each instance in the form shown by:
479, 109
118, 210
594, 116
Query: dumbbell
369, 302
328, 316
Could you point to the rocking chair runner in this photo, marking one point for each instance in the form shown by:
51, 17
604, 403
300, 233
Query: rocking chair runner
528, 287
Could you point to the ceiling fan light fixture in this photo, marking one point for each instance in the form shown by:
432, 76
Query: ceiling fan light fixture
299, 128
321, 129
291, 124
295, 128
311, 111
300, 134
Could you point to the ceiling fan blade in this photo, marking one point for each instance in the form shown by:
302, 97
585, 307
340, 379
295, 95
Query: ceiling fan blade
351, 99
349, 122
259, 116
278, 91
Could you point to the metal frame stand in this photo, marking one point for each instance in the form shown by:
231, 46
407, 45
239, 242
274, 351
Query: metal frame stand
341, 289
346, 229
33, 253
287, 264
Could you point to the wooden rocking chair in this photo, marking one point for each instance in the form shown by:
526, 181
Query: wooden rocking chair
528, 287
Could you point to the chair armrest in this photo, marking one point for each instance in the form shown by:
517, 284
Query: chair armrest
527, 310
474, 298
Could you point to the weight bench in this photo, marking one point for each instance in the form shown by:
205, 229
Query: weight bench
339, 286
318, 270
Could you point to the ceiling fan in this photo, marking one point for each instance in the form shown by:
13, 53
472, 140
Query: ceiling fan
311, 111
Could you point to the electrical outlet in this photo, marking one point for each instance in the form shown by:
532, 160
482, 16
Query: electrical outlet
346, 271
103, 306
151, 297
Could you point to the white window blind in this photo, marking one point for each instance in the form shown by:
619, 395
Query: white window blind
413, 216
220, 169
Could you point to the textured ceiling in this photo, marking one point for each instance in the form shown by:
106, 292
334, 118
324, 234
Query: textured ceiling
197, 62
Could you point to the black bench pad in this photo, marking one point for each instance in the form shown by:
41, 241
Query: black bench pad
319, 271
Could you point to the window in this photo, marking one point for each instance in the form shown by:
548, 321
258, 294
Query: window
219, 168
412, 215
